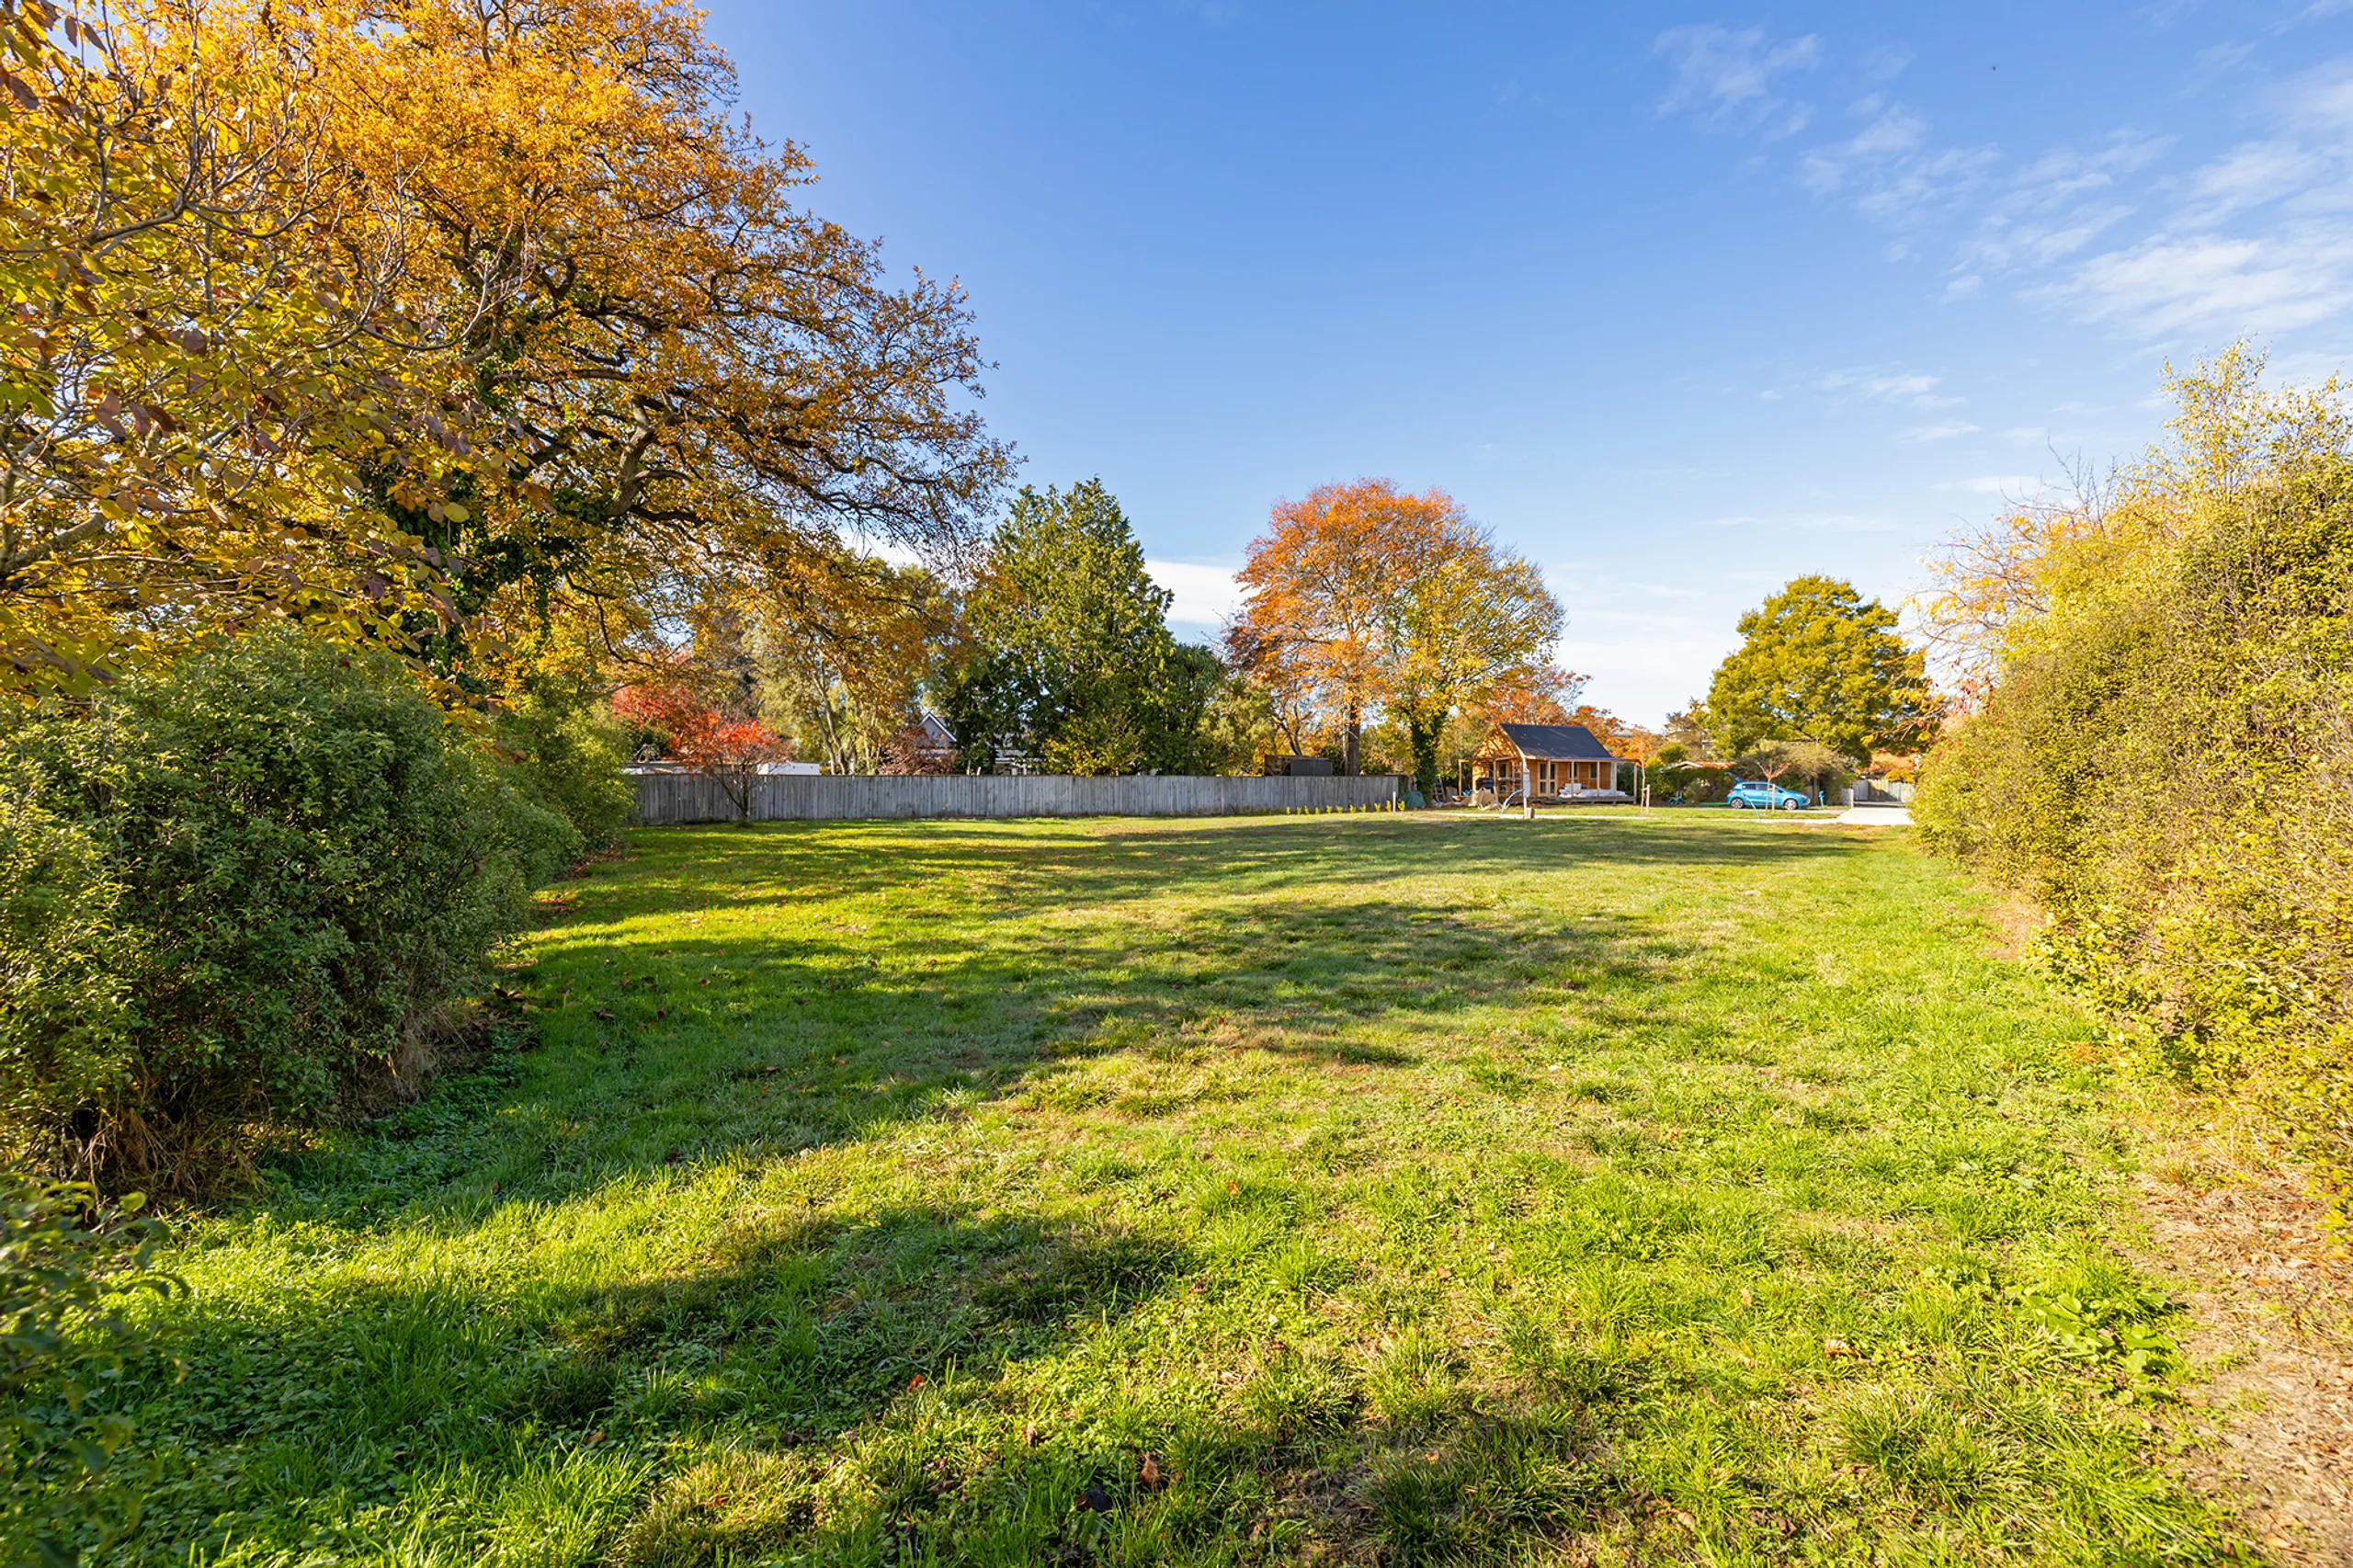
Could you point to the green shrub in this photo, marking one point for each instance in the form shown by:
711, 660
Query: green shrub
1694, 783
2163, 756
280, 868
64, 958
566, 750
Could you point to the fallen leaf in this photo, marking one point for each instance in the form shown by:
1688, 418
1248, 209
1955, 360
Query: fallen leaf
915, 1381
1836, 1348
1149, 1472
606, 1014
1029, 1433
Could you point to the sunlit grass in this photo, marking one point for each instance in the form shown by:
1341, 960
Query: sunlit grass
1387, 1189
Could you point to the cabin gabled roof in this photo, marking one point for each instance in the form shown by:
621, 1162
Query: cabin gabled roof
1556, 743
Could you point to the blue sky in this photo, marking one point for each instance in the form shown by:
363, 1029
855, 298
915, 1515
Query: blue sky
1680, 303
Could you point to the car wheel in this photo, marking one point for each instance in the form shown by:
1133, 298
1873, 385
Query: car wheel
1789, 805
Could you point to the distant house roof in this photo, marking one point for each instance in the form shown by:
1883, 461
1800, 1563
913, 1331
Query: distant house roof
1556, 743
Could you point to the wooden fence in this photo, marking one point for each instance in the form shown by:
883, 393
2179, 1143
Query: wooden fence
667, 798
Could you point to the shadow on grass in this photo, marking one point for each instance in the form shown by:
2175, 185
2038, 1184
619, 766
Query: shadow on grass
855, 1391
1023, 953
632, 1334
1114, 861
795, 1330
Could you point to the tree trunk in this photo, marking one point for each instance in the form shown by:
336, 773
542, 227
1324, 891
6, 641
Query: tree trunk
1350, 743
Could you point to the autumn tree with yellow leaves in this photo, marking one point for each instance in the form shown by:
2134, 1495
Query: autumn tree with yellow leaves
188, 380
427, 321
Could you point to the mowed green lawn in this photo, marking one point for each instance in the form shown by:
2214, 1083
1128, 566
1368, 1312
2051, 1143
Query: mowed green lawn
1355, 1189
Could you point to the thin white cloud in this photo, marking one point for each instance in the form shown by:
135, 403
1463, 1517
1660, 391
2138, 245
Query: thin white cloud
2252, 175
2304, 367
1888, 168
1912, 389
2060, 203
1884, 63
1725, 77
2013, 486
1941, 430
2255, 238
2214, 284
2258, 239
1204, 593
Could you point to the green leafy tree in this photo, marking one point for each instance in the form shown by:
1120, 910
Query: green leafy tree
1818, 662
1067, 658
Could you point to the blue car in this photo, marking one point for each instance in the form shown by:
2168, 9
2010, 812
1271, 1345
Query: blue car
1760, 795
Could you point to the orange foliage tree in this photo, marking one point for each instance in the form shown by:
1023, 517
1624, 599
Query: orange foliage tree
710, 743
1361, 596
1535, 694
673, 360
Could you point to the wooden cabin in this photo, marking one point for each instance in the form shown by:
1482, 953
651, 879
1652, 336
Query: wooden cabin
1549, 762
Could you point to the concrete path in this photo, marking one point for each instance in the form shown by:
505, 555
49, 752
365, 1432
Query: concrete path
1878, 816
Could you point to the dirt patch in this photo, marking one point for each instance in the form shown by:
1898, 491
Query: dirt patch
615, 855
2271, 1295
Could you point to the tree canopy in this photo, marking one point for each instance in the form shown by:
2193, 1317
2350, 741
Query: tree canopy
422, 318
842, 644
1818, 662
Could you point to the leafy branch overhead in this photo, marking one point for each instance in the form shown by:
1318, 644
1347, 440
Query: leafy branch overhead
402, 318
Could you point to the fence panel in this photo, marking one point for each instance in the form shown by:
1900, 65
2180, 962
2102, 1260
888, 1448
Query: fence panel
670, 799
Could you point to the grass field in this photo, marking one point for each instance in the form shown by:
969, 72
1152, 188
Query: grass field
1385, 1190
